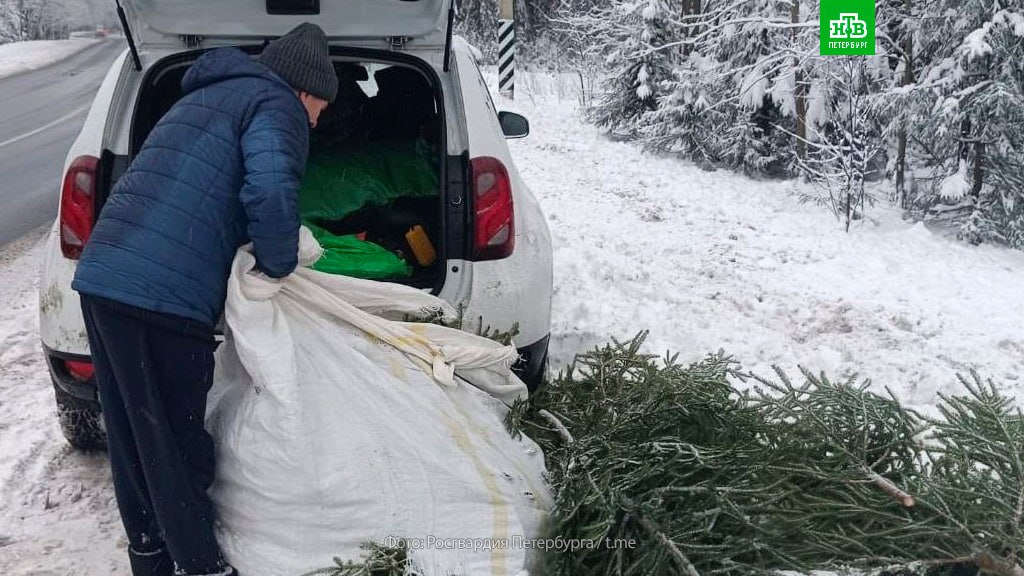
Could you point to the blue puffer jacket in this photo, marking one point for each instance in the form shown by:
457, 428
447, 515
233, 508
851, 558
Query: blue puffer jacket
220, 169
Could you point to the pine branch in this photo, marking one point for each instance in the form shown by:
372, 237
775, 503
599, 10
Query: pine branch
562, 430
682, 562
1000, 566
897, 494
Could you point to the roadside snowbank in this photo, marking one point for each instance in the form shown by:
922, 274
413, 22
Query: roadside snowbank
17, 57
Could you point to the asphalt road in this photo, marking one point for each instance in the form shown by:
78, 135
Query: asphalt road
40, 116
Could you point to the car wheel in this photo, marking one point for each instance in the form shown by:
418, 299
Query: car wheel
81, 421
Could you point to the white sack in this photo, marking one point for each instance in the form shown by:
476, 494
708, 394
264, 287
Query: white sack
335, 426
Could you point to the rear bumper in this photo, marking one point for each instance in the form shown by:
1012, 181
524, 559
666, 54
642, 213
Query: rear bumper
83, 390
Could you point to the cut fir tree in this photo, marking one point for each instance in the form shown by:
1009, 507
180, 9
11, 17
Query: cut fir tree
709, 479
702, 476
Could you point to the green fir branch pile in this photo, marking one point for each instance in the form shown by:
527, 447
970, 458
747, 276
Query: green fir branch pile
786, 475
708, 478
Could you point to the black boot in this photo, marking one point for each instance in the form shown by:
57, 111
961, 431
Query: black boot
156, 563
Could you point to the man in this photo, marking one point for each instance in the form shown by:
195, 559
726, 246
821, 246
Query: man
222, 168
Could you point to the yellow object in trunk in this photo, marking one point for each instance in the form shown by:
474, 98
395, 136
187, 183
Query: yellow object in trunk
421, 246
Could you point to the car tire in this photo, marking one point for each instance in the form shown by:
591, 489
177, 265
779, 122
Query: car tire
81, 421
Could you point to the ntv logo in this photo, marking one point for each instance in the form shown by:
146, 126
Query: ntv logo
849, 25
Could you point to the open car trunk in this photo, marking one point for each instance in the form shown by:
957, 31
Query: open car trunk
374, 180
374, 22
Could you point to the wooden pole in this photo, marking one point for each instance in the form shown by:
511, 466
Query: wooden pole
506, 48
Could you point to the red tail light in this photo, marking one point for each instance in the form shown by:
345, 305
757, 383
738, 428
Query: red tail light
79, 370
76, 205
494, 234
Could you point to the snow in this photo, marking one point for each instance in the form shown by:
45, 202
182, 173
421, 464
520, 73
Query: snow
975, 44
643, 91
817, 107
57, 510
460, 42
955, 186
17, 57
704, 260
753, 89
1014, 19
714, 260
650, 11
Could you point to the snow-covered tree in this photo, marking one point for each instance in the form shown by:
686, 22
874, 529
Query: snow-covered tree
755, 144
33, 20
477, 22
629, 35
771, 96
967, 115
538, 28
754, 63
897, 30
689, 118
740, 83
840, 154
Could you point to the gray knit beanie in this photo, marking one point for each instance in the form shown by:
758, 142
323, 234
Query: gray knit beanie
302, 59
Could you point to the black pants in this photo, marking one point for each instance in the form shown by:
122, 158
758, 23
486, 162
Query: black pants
154, 372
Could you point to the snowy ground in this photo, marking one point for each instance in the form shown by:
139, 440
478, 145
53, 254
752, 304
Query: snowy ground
704, 260
57, 513
710, 260
16, 57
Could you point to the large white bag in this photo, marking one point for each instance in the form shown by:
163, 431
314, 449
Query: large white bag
335, 426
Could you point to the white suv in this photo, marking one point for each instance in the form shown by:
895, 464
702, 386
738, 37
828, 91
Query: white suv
402, 76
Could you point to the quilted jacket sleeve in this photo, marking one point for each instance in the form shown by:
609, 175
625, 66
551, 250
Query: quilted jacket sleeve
275, 146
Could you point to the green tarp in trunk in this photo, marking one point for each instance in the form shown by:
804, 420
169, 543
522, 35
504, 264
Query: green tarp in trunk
341, 180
